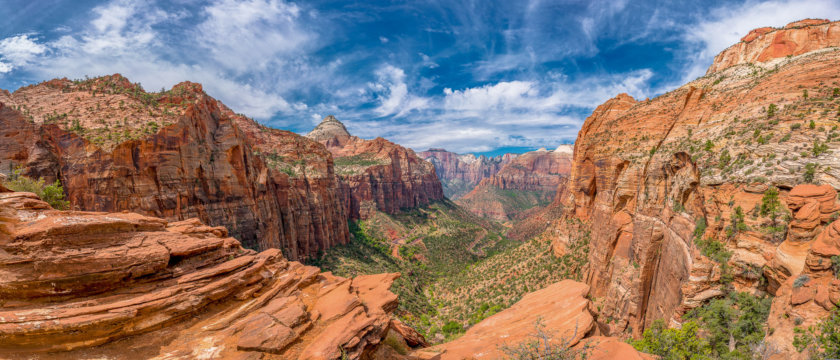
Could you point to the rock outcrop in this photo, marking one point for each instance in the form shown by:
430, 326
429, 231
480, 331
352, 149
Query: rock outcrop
376, 175
529, 180
460, 173
177, 155
652, 180
766, 44
126, 286
561, 311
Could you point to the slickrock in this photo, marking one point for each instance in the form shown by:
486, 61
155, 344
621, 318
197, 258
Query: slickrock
766, 44
646, 173
376, 174
529, 180
87, 285
177, 155
460, 173
561, 309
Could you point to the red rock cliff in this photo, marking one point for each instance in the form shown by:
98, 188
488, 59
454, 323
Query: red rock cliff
526, 181
72, 283
198, 159
377, 174
645, 173
765, 44
461, 173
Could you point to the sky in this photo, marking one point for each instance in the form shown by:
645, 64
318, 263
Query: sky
477, 76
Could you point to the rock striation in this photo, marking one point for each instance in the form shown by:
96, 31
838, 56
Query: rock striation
651, 180
79, 284
562, 312
529, 180
269, 188
376, 175
460, 173
766, 44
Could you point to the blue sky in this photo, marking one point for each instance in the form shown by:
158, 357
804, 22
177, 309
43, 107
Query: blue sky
469, 76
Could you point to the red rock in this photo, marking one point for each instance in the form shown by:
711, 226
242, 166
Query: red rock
461, 173
562, 308
607, 348
74, 282
204, 162
411, 336
535, 175
802, 295
765, 44
377, 174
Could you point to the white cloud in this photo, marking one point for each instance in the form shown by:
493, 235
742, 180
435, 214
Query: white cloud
392, 90
722, 27
242, 35
18, 50
383, 40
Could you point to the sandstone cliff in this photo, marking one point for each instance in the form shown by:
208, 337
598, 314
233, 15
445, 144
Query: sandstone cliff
560, 311
126, 286
765, 44
177, 155
376, 174
459, 173
529, 180
653, 179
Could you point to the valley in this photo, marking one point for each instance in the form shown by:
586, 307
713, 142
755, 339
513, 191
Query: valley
699, 224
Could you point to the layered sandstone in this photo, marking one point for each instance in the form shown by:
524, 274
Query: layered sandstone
647, 173
529, 180
766, 44
560, 311
376, 175
269, 188
126, 286
460, 173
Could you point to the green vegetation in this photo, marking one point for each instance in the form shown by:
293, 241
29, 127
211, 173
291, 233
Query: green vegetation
727, 328
458, 268
545, 347
822, 341
810, 172
771, 110
52, 194
673, 344
772, 208
819, 148
356, 164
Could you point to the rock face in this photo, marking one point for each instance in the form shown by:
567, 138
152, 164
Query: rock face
766, 44
376, 174
529, 180
459, 173
561, 308
647, 174
270, 188
73, 280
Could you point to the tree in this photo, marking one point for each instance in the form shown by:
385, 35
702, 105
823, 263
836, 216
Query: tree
823, 340
770, 204
673, 344
52, 194
810, 173
771, 110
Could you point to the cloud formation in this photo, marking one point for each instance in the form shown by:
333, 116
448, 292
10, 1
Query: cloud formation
459, 75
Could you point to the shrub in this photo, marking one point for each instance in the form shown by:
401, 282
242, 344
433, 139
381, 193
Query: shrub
709, 145
819, 148
805, 93
810, 173
544, 347
795, 126
812, 124
452, 327
683, 343
835, 93
800, 281
823, 340
737, 321
771, 110
52, 194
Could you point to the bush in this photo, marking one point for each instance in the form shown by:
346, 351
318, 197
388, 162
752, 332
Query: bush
544, 347
673, 344
771, 110
801, 281
810, 173
52, 194
822, 340
795, 126
737, 320
452, 327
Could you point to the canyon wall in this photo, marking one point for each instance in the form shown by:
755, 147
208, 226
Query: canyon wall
652, 180
527, 181
176, 155
73, 283
376, 175
459, 173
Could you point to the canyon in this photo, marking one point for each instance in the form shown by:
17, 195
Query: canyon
186, 222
